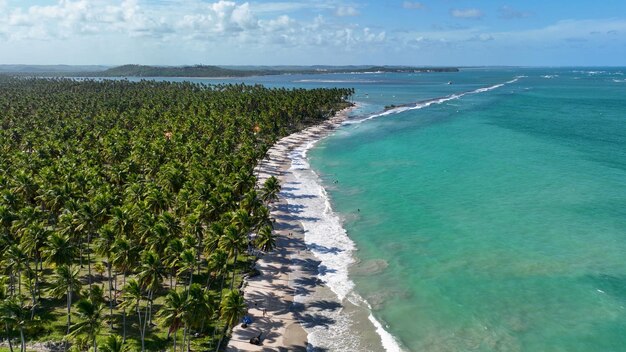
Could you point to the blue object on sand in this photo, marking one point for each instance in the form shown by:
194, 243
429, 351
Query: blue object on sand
247, 320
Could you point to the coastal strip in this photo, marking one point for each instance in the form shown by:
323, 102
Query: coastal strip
277, 317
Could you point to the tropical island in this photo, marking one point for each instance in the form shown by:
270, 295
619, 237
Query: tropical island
130, 212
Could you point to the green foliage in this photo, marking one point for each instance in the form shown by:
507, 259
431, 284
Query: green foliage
151, 184
114, 343
233, 307
90, 320
265, 240
270, 190
184, 71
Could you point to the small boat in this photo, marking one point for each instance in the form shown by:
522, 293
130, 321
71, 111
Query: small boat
449, 82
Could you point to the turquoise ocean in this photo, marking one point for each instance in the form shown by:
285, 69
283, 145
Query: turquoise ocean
493, 220
487, 210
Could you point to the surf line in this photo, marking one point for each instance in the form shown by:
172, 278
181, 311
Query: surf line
426, 103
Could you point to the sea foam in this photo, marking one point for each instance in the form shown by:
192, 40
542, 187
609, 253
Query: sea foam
335, 81
427, 103
324, 233
326, 238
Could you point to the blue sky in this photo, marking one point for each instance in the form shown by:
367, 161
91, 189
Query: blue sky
334, 32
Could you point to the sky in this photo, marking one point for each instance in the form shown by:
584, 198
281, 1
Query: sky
308, 32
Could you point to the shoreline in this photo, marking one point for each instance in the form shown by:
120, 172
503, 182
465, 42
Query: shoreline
271, 296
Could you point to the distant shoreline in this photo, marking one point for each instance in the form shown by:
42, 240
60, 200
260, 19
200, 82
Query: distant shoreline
202, 71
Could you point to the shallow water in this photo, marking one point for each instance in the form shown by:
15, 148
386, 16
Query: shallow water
491, 222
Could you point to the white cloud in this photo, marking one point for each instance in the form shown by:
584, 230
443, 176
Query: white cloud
346, 11
413, 5
147, 31
466, 13
184, 21
291, 6
371, 37
282, 23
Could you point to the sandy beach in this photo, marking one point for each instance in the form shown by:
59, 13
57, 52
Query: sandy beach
290, 268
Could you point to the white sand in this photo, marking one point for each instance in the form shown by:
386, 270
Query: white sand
273, 290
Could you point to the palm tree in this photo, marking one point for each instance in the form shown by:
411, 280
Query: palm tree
113, 343
262, 217
25, 187
194, 226
59, 250
199, 306
121, 220
150, 275
171, 223
104, 245
212, 237
269, 191
157, 199
7, 319
157, 238
132, 296
232, 308
241, 220
67, 230
172, 314
218, 262
250, 201
87, 222
232, 242
187, 264
66, 282
14, 314
7, 216
95, 294
171, 258
90, 315
125, 257
15, 262
265, 240
32, 242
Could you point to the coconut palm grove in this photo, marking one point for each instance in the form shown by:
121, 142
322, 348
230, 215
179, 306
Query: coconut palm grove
129, 211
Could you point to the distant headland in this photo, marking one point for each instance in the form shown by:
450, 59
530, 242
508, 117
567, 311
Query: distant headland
204, 70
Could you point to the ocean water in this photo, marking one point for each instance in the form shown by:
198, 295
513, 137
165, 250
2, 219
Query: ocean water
485, 212
488, 214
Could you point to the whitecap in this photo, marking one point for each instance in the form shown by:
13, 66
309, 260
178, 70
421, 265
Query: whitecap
427, 103
389, 342
326, 238
335, 81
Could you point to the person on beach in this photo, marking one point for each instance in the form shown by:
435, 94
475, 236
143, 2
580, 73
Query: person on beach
264, 311
256, 340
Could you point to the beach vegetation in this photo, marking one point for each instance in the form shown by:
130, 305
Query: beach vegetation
128, 210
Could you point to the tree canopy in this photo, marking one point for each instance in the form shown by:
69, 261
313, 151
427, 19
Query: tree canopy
150, 184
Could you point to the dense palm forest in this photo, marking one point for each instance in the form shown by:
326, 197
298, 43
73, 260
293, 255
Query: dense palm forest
130, 211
